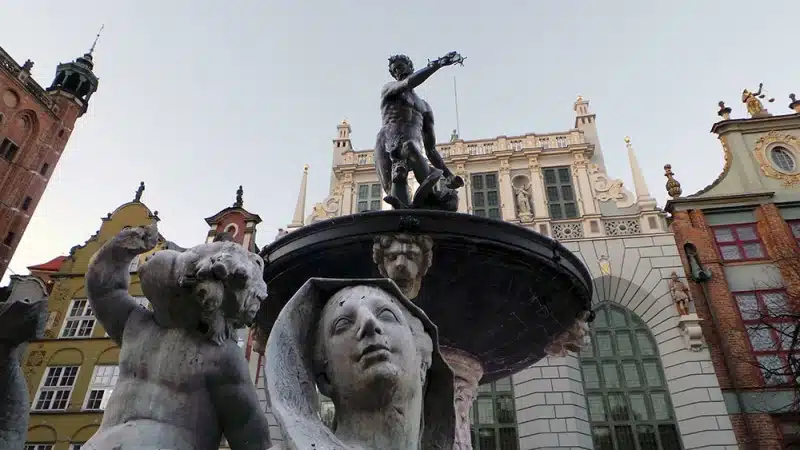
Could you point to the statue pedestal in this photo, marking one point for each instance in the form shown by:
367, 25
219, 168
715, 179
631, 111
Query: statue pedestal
468, 372
689, 325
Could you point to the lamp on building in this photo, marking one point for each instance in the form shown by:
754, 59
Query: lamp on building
699, 273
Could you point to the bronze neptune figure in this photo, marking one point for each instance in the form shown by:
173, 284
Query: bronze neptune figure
407, 129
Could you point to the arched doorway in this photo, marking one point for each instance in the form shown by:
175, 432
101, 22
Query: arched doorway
626, 393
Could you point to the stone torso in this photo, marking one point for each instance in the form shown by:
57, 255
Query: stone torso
164, 374
402, 114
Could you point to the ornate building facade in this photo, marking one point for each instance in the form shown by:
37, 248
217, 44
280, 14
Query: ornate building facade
35, 125
647, 380
738, 239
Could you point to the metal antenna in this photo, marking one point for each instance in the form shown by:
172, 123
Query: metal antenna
94, 44
455, 96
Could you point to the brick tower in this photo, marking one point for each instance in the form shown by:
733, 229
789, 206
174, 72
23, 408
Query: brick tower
35, 125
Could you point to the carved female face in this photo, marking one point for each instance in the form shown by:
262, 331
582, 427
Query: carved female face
365, 342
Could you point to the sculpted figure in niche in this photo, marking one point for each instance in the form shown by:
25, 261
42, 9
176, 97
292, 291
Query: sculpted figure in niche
523, 195
680, 294
183, 379
374, 354
405, 259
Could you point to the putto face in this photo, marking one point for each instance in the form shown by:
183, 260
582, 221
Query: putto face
366, 340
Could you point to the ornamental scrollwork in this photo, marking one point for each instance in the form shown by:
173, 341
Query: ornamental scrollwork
761, 153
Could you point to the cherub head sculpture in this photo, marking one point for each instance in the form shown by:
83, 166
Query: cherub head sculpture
405, 259
373, 352
214, 288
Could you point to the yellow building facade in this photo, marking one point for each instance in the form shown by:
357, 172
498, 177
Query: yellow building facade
72, 371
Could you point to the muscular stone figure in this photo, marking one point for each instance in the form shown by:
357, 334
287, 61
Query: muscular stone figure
407, 128
184, 382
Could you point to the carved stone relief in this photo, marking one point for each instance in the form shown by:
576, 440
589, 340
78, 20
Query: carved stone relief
607, 189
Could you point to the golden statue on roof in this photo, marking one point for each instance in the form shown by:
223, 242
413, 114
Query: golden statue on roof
754, 106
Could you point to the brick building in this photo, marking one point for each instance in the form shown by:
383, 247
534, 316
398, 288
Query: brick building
738, 238
35, 125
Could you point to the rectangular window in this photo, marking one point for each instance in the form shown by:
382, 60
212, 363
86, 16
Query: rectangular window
9, 239
26, 203
795, 227
104, 378
80, 320
485, 196
739, 242
38, 446
44, 169
369, 197
772, 331
493, 417
560, 193
75, 446
8, 149
56, 389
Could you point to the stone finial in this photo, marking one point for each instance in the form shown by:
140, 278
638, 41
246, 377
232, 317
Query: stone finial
239, 202
673, 186
724, 111
795, 105
139, 192
454, 136
27, 66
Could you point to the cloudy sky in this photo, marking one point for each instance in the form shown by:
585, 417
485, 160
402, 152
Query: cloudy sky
198, 97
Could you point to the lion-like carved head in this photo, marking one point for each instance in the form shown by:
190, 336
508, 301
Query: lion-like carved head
213, 288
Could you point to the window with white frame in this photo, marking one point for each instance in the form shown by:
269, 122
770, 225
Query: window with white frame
56, 389
38, 446
80, 320
104, 378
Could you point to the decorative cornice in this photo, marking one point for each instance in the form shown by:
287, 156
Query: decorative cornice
750, 125
717, 200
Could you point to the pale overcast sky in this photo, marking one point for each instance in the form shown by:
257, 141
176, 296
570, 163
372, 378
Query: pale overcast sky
198, 97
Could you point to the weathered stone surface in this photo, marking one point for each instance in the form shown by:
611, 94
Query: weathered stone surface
183, 380
374, 353
21, 321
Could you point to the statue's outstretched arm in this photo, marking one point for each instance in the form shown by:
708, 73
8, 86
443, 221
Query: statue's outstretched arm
235, 400
108, 277
414, 80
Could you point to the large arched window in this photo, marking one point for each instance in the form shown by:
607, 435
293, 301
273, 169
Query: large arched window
626, 393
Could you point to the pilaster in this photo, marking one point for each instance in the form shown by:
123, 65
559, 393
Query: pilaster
540, 210
347, 193
506, 193
584, 184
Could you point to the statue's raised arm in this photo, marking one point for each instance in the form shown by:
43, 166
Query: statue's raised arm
399, 66
108, 277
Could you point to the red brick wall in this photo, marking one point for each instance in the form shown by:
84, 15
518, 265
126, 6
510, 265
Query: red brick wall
691, 227
236, 218
39, 143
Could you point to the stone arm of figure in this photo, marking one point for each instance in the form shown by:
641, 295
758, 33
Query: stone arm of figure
108, 277
235, 400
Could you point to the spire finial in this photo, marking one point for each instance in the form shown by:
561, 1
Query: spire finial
305, 168
139, 192
300, 209
724, 111
643, 197
94, 44
673, 187
239, 202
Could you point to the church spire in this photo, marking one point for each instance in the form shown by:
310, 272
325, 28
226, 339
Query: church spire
300, 209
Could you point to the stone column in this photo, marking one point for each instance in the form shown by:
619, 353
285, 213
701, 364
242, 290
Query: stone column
468, 372
464, 192
537, 189
506, 193
347, 194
